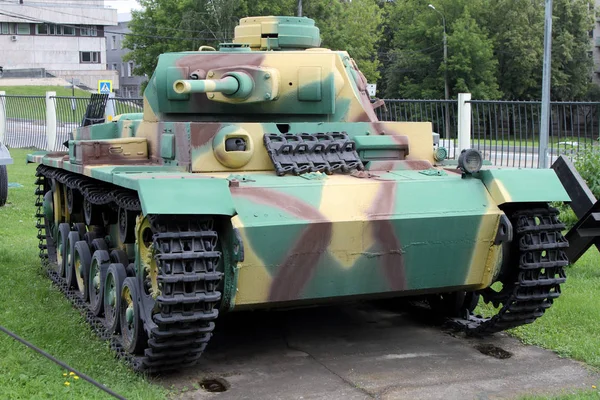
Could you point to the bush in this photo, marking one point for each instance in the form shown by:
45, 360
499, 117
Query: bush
587, 164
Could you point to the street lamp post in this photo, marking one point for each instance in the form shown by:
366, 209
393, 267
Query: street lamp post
446, 87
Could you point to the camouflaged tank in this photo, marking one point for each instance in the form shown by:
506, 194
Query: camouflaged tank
5, 159
259, 176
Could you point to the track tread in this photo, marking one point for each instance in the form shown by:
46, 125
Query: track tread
187, 258
539, 276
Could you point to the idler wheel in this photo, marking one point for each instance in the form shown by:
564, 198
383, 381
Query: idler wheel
115, 276
97, 275
132, 331
81, 266
62, 248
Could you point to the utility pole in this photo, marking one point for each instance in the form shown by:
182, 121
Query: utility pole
299, 8
446, 86
545, 122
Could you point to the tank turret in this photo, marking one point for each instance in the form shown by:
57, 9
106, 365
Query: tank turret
273, 71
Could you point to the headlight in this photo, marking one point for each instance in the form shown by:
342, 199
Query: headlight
470, 161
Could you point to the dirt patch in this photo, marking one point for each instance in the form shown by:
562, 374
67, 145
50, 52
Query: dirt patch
493, 351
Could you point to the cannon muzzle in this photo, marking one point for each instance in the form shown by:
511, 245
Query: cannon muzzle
227, 85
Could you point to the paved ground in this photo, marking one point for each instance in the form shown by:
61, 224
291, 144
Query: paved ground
362, 352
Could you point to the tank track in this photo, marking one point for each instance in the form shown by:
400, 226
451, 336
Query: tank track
531, 289
186, 259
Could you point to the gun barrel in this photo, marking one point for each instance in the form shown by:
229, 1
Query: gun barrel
227, 85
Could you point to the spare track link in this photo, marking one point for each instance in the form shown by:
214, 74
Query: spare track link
321, 152
184, 325
536, 284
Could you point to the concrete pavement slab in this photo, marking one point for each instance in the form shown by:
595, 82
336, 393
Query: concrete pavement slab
360, 352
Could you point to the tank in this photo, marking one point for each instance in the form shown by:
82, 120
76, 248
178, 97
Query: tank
258, 176
5, 159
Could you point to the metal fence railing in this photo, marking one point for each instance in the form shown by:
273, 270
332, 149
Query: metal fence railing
25, 121
127, 105
507, 132
25, 124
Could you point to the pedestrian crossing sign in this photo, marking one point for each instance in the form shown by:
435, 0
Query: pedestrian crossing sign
104, 87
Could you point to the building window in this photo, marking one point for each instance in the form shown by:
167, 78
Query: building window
41, 29
9, 28
114, 67
122, 70
51, 29
88, 31
129, 68
24, 29
89, 57
114, 42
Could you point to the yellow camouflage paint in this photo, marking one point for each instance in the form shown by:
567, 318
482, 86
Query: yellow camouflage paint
254, 280
499, 192
484, 263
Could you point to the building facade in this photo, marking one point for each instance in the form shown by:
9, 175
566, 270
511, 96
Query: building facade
64, 38
129, 83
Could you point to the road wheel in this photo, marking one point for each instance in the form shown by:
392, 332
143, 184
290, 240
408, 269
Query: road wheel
62, 248
115, 276
132, 331
97, 277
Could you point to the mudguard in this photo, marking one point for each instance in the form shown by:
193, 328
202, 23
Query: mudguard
523, 185
175, 195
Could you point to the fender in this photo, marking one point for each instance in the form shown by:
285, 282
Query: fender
523, 185
185, 194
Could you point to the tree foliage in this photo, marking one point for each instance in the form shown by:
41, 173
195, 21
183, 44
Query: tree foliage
495, 48
183, 25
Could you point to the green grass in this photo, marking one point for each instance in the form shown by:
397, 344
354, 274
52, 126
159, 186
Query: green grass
34, 108
571, 326
35, 310
41, 91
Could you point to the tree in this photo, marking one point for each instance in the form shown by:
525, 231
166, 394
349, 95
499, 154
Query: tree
351, 26
472, 67
416, 67
571, 65
516, 27
518, 30
183, 25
